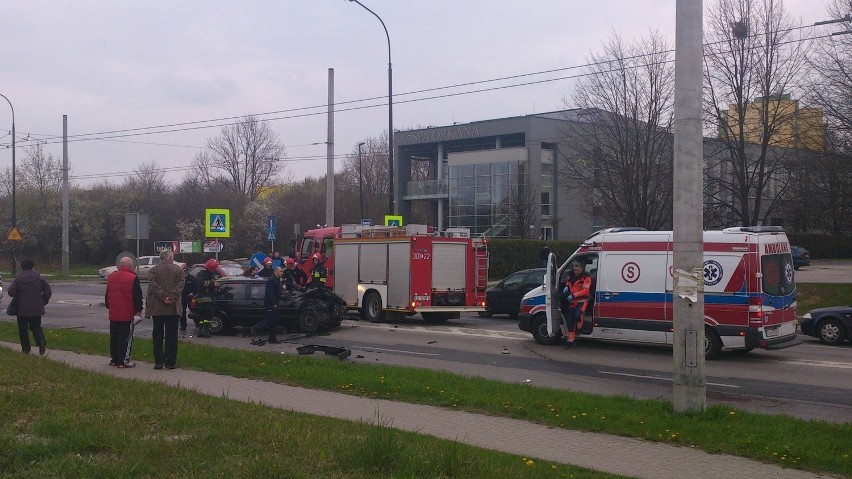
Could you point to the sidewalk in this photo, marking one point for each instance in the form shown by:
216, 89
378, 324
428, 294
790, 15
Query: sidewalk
613, 454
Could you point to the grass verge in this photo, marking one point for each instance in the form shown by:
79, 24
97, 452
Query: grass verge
57, 421
820, 295
809, 445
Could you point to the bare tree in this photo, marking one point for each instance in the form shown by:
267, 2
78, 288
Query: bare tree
40, 172
247, 155
518, 208
623, 153
831, 65
753, 60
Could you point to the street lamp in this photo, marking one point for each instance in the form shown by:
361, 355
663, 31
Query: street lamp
360, 181
14, 218
391, 209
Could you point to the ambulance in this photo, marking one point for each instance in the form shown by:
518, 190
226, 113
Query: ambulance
749, 290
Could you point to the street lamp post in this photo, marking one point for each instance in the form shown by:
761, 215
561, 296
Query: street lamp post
360, 181
391, 202
14, 218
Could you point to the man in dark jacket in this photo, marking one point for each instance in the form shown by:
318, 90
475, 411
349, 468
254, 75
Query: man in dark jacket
186, 295
165, 285
32, 293
123, 299
271, 297
293, 278
205, 286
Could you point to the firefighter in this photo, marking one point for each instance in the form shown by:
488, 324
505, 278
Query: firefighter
206, 286
293, 278
266, 272
574, 300
318, 272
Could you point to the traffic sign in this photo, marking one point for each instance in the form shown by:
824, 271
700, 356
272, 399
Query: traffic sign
14, 234
393, 220
217, 223
270, 228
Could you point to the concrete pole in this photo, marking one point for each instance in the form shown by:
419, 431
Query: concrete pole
329, 149
689, 393
65, 203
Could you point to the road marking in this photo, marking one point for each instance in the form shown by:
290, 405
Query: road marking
814, 362
450, 330
369, 348
642, 376
75, 301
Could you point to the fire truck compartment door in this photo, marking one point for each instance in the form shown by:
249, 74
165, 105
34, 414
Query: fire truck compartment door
399, 276
374, 263
346, 271
449, 266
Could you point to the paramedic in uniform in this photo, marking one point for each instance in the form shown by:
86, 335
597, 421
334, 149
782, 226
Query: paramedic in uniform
574, 300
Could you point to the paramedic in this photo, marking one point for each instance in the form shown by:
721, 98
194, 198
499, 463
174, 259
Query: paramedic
574, 300
318, 272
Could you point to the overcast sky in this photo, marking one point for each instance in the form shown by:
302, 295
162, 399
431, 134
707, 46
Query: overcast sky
119, 65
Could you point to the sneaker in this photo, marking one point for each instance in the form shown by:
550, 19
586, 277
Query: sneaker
569, 344
128, 364
42, 348
158, 366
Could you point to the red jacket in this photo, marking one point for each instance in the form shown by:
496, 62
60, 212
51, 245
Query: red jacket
579, 288
123, 296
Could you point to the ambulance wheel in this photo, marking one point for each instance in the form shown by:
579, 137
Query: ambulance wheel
712, 344
309, 321
539, 331
373, 311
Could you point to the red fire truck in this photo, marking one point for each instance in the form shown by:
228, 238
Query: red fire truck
390, 272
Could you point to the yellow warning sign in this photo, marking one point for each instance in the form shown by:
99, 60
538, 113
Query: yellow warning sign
14, 234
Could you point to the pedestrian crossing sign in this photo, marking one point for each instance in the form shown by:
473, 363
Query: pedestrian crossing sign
217, 223
393, 220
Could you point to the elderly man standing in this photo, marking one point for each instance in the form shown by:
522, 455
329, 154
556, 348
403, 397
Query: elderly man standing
123, 299
165, 285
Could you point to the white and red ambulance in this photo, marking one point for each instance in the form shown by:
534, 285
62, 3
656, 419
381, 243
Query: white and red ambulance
749, 289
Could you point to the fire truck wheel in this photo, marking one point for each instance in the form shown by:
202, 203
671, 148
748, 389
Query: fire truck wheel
712, 344
309, 321
539, 331
373, 311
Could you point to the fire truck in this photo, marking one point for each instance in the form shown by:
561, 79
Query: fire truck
390, 272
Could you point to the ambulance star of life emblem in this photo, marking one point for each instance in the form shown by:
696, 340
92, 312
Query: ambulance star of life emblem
712, 272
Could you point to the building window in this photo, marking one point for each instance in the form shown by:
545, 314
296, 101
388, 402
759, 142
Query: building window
477, 194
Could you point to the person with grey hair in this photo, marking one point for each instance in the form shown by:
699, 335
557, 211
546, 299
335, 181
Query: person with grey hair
32, 293
123, 299
163, 305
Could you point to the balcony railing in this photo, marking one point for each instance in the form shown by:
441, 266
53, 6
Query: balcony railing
426, 189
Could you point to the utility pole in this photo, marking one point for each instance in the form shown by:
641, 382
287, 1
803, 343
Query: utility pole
689, 393
66, 266
329, 149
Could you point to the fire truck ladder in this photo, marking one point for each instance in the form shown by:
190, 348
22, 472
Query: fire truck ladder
481, 267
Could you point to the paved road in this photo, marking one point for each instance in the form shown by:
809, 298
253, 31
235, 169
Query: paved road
823, 271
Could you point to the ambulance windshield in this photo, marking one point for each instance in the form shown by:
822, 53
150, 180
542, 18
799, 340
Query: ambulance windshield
778, 277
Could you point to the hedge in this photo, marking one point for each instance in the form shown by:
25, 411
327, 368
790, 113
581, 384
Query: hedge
822, 246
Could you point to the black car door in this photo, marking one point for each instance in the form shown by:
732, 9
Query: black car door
508, 294
254, 310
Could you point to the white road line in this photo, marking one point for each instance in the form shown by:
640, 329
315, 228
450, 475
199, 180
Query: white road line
368, 348
824, 364
663, 379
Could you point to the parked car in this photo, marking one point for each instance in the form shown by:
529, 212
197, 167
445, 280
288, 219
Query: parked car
505, 296
143, 266
830, 325
801, 257
225, 269
238, 302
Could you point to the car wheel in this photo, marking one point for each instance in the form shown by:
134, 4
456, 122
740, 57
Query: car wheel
830, 331
487, 313
712, 344
373, 311
217, 325
309, 321
539, 331
435, 317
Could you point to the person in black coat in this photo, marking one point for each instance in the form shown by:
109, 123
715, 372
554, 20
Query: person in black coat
271, 297
189, 290
32, 293
543, 254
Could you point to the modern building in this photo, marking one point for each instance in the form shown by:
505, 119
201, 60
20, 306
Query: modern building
791, 125
497, 177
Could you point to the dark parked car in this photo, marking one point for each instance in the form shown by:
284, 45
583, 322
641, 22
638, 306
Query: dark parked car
831, 325
225, 269
801, 257
239, 303
505, 296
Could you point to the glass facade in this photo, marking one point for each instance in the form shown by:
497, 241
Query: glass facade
479, 195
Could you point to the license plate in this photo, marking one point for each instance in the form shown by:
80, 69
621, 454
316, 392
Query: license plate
773, 332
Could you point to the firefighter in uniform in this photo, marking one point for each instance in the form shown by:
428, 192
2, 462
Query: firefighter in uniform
574, 301
206, 287
294, 278
318, 272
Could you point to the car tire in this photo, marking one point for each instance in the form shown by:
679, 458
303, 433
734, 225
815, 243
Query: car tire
712, 344
309, 320
372, 308
487, 313
217, 325
830, 331
435, 318
539, 331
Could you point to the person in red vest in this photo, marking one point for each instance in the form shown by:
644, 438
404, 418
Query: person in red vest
123, 299
575, 300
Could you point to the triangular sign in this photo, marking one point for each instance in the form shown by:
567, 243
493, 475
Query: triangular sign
14, 234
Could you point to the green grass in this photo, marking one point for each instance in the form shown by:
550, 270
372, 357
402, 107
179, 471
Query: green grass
819, 295
810, 445
57, 421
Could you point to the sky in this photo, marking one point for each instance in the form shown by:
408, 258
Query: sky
150, 82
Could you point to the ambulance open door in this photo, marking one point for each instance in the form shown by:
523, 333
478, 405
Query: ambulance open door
551, 297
